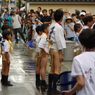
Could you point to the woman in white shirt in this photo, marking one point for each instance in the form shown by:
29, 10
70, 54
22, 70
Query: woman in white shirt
83, 67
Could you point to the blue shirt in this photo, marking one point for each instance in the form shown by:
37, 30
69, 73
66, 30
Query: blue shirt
6, 15
70, 33
76, 38
9, 18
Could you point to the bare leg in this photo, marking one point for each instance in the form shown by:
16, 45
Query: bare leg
43, 66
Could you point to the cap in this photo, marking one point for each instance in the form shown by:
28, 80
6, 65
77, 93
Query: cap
82, 13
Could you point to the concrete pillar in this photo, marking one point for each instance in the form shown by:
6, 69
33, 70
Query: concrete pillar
27, 7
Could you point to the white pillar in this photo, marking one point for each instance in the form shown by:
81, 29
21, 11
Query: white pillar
9, 7
27, 7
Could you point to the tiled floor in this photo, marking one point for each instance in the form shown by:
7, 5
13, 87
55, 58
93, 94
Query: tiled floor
22, 74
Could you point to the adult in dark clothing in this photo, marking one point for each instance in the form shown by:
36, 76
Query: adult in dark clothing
45, 19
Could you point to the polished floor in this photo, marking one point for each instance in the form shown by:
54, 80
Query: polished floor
22, 74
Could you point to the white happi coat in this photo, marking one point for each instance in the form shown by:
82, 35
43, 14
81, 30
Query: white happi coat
43, 44
56, 34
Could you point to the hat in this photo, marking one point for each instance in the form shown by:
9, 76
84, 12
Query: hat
82, 13
68, 18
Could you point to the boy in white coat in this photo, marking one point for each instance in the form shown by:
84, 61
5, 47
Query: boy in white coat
44, 46
56, 35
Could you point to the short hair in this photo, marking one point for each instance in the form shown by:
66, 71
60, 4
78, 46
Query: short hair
87, 38
73, 15
31, 10
76, 26
40, 8
51, 10
38, 29
58, 14
77, 12
87, 19
5, 34
5, 27
44, 26
83, 11
37, 13
44, 10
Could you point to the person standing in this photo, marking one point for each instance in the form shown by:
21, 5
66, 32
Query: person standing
45, 19
6, 50
44, 46
9, 18
39, 9
69, 28
56, 36
83, 67
17, 26
88, 22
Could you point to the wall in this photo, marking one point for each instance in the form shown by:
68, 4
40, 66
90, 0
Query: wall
65, 6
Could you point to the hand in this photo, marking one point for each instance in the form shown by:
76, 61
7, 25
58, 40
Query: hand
61, 58
67, 92
69, 25
45, 22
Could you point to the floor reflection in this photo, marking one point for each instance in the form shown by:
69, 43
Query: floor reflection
22, 75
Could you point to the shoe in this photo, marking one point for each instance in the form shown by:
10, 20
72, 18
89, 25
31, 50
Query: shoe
7, 84
2, 79
44, 84
49, 91
8, 81
55, 91
5, 81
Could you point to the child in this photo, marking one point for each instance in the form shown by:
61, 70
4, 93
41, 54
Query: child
56, 34
6, 50
38, 55
44, 46
77, 47
77, 28
69, 27
83, 67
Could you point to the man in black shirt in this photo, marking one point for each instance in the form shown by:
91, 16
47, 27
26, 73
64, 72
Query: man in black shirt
45, 19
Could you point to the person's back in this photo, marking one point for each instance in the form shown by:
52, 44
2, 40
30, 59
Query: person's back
9, 18
83, 67
16, 21
55, 31
86, 61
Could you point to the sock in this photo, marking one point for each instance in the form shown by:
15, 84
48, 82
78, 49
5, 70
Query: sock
55, 79
6, 79
2, 78
50, 80
37, 77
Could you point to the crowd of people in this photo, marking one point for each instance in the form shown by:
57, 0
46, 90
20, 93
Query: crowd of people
49, 30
